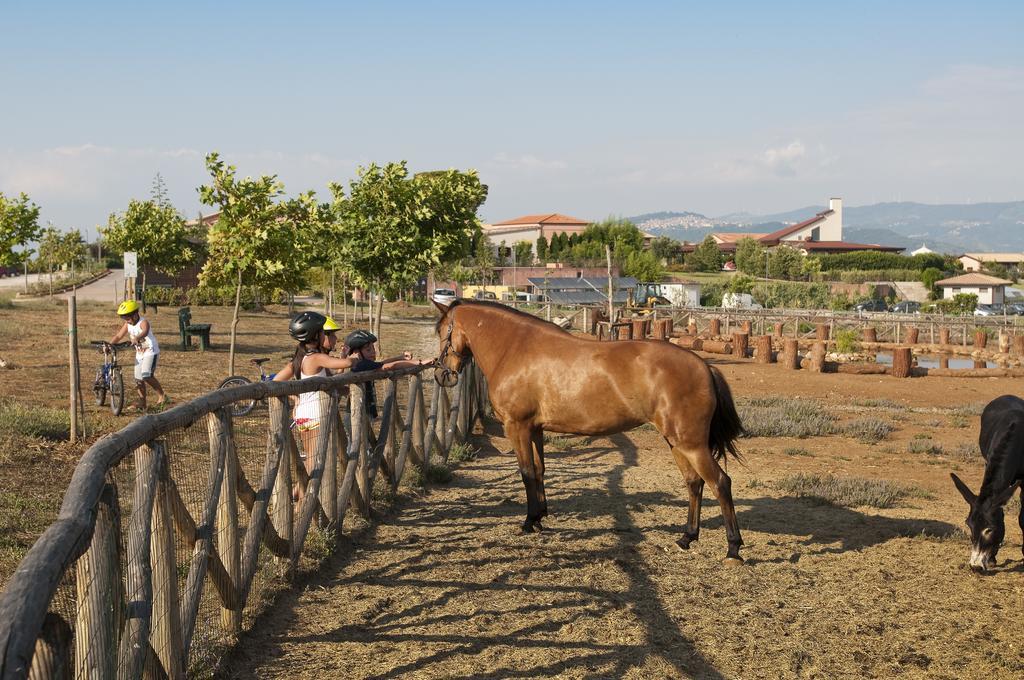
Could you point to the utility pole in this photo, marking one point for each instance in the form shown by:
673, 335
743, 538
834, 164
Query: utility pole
611, 295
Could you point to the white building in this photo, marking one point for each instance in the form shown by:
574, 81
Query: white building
531, 227
989, 289
923, 250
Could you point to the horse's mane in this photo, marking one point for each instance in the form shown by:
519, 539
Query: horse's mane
504, 309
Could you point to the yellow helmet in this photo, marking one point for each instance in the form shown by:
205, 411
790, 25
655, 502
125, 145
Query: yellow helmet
331, 325
127, 307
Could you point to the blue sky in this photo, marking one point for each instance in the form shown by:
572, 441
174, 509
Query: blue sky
589, 109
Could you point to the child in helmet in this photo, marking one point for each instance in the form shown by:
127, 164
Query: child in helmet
360, 345
147, 350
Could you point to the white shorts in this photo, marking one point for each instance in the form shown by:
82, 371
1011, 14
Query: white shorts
145, 366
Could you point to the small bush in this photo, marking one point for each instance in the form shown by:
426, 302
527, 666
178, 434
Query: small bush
555, 442
775, 417
412, 478
925, 446
965, 452
876, 403
461, 452
922, 435
6, 302
868, 430
851, 492
958, 422
972, 409
796, 451
439, 474
847, 341
48, 423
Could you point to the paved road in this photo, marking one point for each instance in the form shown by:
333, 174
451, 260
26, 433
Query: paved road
106, 289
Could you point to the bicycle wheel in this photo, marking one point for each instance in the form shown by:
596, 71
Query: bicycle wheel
99, 387
116, 392
243, 407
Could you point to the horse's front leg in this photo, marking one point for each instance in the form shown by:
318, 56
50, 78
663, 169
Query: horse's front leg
533, 479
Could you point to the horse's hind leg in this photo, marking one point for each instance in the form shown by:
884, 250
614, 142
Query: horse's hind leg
705, 465
533, 478
537, 439
696, 487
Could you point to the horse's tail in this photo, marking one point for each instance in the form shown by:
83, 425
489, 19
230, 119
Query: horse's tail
725, 423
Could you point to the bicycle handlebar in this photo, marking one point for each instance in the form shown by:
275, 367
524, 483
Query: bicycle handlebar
103, 343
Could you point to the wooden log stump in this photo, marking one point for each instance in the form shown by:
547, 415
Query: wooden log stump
746, 327
668, 326
912, 333
715, 329
740, 341
861, 369
763, 352
689, 342
980, 363
639, 329
778, 329
1004, 343
902, 362
691, 328
791, 354
870, 334
658, 330
980, 339
943, 361
717, 347
821, 331
1018, 345
817, 364
943, 336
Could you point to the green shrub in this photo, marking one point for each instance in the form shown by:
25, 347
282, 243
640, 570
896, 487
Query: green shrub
438, 474
868, 430
792, 294
36, 421
925, 446
877, 403
795, 451
873, 259
847, 341
461, 452
223, 296
852, 492
777, 417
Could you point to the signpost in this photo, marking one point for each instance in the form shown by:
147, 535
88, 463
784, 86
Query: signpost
131, 272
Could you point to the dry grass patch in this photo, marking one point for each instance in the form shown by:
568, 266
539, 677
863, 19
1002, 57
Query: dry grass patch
851, 492
782, 417
868, 430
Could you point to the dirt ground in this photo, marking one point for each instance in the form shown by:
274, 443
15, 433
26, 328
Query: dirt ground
445, 585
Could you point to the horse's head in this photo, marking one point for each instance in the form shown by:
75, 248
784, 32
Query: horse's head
455, 350
985, 521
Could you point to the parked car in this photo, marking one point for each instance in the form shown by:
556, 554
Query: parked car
484, 295
987, 310
1015, 308
444, 296
871, 306
907, 307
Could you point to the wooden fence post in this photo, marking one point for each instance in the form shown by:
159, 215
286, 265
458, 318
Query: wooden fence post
691, 328
902, 361
311, 501
943, 336
739, 345
791, 353
870, 334
283, 509
763, 353
980, 339
817, 358
745, 327
221, 430
166, 636
52, 657
1004, 342
715, 328
778, 329
356, 408
912, 333
100, 594
1018, 345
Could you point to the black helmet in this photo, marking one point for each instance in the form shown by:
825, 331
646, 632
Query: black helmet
358, 339
306, 326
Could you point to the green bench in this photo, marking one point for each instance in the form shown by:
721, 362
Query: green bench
190, 330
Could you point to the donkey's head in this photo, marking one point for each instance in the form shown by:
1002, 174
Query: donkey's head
985, 521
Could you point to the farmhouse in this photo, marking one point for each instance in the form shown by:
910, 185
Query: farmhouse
819, 235
531, 227
989, 289
975, 262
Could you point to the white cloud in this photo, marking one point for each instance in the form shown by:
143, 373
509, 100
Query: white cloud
526, 162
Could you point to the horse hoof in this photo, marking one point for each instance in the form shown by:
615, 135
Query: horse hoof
531, 525
684, 543
733, 561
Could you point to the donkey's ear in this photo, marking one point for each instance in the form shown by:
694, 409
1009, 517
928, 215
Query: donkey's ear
442, 308
964, 490
1003, 498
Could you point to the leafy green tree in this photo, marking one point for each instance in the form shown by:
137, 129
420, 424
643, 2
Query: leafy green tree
643, 266
19, 225
396, 226
524, 253
257, 240
750, 256
154, 230
554, 247
785, 263
483, 260
542, 249
928, 277
664, 248
706, 257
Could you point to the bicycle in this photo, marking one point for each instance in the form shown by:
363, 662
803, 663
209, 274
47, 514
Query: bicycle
245, 406
108, 376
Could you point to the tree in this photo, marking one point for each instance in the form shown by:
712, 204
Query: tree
397, 227
643, 266
154, 230
750, 256
706, 257
483, 260
542, 249
257, 240
664, 248
785, 263
19, 225
524, 253
928, 277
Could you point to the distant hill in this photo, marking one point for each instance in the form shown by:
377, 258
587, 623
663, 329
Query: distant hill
945, 228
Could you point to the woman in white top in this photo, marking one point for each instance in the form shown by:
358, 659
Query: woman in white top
147, 350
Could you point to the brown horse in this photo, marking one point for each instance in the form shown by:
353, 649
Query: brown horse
540, 377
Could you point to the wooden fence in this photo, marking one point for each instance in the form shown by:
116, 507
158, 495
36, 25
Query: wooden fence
132, 588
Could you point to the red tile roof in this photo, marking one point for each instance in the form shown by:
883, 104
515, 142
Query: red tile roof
549, 218
774, 237
973, 279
